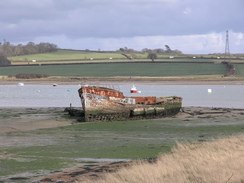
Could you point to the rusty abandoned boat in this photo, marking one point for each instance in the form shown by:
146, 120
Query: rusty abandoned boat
106, 104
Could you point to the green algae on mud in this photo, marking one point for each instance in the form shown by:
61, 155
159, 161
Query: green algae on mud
64, 146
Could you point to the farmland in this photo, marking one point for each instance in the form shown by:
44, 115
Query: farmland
66, 55
71, 63
120, 69
239, 69
72, 56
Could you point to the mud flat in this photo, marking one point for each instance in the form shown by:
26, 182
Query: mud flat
24, 119
19, 128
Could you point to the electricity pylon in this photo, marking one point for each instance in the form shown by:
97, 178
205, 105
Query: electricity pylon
227, 48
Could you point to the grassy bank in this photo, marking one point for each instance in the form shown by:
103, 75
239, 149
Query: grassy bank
219, 161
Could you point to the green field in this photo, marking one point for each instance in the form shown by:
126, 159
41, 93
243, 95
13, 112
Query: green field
111, 64
239, 69
120, 69
70, 55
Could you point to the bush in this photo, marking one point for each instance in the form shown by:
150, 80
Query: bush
30, 76
230, 69
4, 61
152, 56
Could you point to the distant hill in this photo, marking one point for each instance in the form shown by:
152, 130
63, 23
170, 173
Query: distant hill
63, 56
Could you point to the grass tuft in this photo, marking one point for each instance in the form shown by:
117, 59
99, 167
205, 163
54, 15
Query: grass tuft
217, 161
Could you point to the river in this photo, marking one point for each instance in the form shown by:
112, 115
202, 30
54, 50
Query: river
229, 96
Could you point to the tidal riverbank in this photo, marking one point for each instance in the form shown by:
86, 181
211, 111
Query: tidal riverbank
49, 145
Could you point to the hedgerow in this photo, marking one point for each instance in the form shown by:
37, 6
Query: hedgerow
30, 76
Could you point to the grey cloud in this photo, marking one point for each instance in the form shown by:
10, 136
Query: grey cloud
27, 19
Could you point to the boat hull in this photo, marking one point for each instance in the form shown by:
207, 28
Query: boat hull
100, 104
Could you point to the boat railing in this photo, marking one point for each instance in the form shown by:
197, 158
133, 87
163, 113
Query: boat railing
114, 87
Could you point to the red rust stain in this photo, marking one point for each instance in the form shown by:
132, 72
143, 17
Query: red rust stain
103, 92
145, 100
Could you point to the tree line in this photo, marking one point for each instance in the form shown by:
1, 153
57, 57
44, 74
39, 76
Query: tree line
152, 53
8, 50
167, 50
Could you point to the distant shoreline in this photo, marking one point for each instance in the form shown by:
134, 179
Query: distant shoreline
125, 81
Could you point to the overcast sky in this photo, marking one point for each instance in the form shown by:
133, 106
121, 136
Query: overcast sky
191, 26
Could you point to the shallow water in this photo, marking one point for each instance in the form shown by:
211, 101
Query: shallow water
198, 95
230, 96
